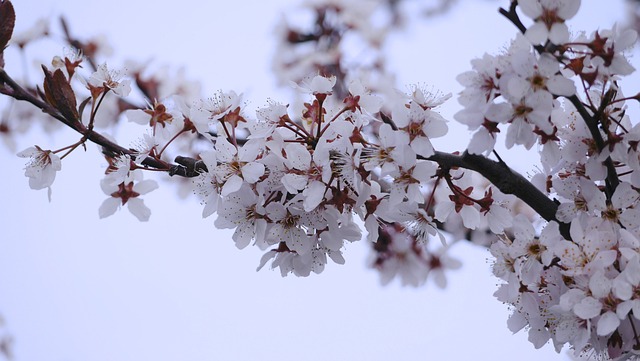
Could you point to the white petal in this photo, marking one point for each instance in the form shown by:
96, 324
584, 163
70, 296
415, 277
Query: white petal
499, 112
537, 33
138, 116
436, 125
298, 155
265, 258
607, 324
530, 8
314, 194
137, 208
27, 153
211, 206
336, 256
624, 196
481, 142
145, 186
560, 85
622, 289
516, 322
109, 207
568, 9
588, 308
599, 285
424, 170
518, 87
559, 33
243, 235
251, 172
294, 182
470, 217
623, 309
232, 184
423, 147
630, 218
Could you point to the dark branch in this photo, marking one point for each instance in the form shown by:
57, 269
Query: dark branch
592, 124
507, 181
499, 174
513, 16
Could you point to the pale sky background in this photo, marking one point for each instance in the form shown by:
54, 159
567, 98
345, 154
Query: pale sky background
76, 288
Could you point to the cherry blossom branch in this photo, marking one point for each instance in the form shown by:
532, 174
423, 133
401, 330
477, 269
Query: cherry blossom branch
592, 122
11, 88
499, 174
506, 180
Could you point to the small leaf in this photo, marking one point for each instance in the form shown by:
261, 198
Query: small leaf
66, 98
7, 22
48, 87
59, 94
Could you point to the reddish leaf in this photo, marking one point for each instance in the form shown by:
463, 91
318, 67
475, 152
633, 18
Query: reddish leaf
58, 93
48, 87
7, 22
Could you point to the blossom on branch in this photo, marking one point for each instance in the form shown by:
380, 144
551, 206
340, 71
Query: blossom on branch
104, 79
299, 180
41, 168
549, 16
126, 194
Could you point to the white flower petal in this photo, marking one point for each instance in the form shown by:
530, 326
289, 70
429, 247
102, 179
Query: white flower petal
139, 209
607, 324
145, 186
314, 194
138, 116
587, 308
108, 207
537, 33
251, 172
559, 33
232, 184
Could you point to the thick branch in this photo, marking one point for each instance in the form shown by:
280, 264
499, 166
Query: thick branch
499, 174
506, 180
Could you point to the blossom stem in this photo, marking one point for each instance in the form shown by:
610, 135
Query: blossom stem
71, 148
433, 193
94, 110
332, 119
229, 137
169, 142
320, 117
297, 130
455, 189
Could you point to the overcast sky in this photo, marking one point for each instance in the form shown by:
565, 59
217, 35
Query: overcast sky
78, 288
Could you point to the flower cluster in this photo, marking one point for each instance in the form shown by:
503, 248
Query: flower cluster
574, 279
294, 182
